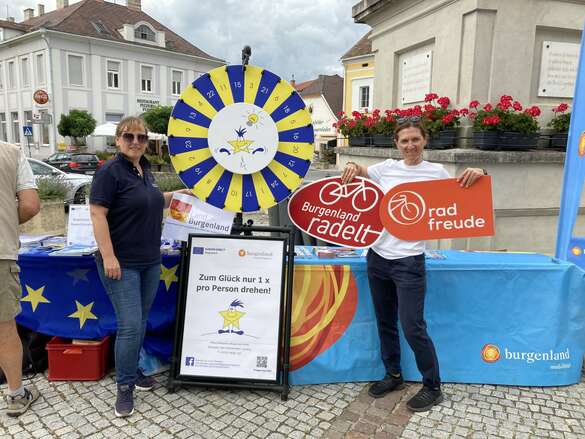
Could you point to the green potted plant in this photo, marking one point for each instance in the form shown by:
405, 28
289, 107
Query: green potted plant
504, 126
382, 128
519, 126
560, 125
355, 128
440, 121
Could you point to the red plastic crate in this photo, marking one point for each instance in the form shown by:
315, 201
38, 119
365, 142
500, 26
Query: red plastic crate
77, 362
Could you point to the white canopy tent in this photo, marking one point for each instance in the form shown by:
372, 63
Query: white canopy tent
109, 129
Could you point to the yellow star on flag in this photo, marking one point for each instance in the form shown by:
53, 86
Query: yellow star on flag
83, 313
35, 297
231, 317
168, 275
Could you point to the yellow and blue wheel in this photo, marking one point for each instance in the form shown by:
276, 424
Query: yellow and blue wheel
241, 138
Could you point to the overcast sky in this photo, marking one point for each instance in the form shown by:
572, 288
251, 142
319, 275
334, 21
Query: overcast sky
288, 37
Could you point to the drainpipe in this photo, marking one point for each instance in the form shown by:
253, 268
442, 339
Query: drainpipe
51, 92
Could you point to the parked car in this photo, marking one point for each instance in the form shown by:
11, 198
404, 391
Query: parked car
79, 184
81, 163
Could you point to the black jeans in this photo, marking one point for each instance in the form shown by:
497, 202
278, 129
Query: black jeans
398, 291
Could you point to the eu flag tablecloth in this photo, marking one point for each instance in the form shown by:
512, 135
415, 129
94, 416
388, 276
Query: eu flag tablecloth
495, 318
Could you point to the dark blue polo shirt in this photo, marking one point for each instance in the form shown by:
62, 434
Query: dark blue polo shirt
135, 210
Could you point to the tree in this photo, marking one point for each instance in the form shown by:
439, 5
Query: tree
78, 124
157, 118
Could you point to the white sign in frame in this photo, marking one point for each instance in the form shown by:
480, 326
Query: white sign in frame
232, 310
558, 69
416, 77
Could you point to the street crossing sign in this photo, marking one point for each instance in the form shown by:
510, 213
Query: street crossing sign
27, 130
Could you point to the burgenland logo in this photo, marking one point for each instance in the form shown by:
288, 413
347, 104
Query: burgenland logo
406, 207
490, 353
242, 252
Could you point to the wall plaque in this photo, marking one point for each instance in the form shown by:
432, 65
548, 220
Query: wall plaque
416, 77
558, 69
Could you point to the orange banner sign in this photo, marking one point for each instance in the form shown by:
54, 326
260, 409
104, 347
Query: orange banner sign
438, 209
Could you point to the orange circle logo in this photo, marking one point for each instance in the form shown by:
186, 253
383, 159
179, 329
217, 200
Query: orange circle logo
242, 252
490, 353
576, 251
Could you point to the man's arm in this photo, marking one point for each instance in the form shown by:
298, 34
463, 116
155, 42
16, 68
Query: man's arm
28, 204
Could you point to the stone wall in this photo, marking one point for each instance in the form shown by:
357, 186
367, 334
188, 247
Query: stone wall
50, 220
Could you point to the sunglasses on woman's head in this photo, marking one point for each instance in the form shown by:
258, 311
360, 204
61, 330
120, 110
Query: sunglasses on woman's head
414, 119
129, 137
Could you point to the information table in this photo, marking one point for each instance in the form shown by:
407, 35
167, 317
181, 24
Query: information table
496, 318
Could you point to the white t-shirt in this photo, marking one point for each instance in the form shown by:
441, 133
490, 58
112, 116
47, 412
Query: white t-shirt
388, 174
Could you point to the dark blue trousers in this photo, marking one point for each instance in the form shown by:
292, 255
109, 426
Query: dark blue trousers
398, 292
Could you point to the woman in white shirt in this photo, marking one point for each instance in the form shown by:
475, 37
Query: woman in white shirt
396, 270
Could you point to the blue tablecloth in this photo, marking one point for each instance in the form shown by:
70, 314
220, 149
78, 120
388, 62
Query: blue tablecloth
494, 317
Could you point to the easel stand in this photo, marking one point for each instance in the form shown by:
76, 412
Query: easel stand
281, 381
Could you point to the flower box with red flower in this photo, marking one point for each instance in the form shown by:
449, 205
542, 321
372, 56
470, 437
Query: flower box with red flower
560, 124
439, 120
514, 127
382, 128
354, 128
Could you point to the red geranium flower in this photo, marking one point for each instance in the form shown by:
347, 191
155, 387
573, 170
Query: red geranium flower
444, 102
474, 104
488, 107
429, 97
517, 106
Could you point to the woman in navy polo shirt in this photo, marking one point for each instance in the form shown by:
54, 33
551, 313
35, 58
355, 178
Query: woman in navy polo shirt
127, 210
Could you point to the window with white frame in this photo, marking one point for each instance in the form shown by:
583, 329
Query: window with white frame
146, 73
40, 62
28, 117
24, 69
114, 117
75, 68
44, 131
113, 74
11, 75
143, 32
3, 132
15, 127
177, 77
365, 96
1, 76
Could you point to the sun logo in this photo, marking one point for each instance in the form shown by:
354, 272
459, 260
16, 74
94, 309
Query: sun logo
242, 253
582, 144
576, 251
253, 119
490, 353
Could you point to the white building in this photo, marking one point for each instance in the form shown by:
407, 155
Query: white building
324, 99
108, 59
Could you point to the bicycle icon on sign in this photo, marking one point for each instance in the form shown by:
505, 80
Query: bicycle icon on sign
406, 207
363, 198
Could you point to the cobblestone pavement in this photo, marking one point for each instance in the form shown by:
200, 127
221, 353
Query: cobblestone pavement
332, 411
85, 410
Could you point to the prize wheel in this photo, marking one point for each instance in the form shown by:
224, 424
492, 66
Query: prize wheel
241, 138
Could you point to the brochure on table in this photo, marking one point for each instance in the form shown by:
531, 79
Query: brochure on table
79, 226
187, 214
231, 318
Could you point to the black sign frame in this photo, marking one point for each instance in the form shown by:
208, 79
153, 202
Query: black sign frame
281, 384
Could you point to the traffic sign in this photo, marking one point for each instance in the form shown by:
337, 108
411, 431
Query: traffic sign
42, 118
27, 130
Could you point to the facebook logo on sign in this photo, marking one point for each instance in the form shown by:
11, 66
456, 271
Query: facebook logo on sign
198, 250
189, 361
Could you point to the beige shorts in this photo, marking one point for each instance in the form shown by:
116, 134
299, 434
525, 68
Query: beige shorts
10, 291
